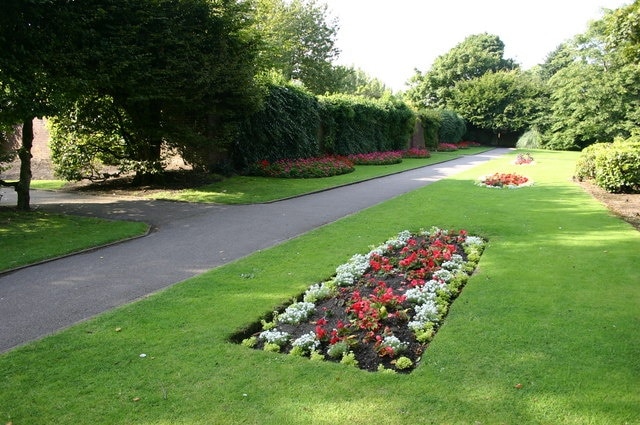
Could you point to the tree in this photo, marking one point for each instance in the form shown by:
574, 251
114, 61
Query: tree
174, 74
595, 84
475, 56
502, 102
32, 35
350, 80
299, 39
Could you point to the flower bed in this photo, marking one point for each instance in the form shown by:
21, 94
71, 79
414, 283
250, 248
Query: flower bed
303, 168
416, 153
523, 159
447, 147
380, 310
376, 158
504, 180
467, 144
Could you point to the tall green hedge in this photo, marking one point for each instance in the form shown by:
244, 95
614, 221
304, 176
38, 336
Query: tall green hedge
353, 124
431, 121
295, 124
286, 127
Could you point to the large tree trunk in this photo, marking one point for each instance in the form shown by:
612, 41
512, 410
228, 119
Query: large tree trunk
24, 184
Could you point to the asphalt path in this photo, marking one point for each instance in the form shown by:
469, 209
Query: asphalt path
186, 240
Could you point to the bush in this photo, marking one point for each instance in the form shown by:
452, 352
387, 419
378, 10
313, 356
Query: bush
302, 168
285, 128
376, 158
354, 125
613, 166
431, 122
532, 139
618, 168
452, 127
586, 162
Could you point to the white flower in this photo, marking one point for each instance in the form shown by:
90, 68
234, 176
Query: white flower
425, 313
394, 342
296, 313
275, 337
317, 292
307, 342
347, 274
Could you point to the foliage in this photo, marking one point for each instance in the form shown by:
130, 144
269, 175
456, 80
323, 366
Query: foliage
353, 124
286, 127
349, 80
452, 127
303, 168
475, 56
501, 102
531, 139
431, 120
594, 82
299, 41
613, 166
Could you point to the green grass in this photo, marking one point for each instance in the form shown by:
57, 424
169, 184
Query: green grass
553, 306
251, 190
48, 184
27, 238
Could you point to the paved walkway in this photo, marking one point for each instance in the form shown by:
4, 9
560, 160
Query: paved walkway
186, 240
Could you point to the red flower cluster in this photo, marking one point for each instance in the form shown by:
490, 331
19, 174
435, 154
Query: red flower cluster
303, 168
504, 179
376, 158
416, 153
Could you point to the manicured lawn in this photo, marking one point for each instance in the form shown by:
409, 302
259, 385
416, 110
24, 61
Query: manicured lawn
251, 190
27, 238
545, 332
48, 184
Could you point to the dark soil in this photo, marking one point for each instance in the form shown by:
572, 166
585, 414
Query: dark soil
362, 341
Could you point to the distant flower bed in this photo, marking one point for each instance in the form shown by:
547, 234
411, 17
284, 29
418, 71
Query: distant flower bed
504, 180
303, 168
523, 159
447, 147
416, 153
467, 144
376, 158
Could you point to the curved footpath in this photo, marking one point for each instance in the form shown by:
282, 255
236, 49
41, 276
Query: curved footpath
186, 240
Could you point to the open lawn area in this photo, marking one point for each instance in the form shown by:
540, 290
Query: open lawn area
545, 332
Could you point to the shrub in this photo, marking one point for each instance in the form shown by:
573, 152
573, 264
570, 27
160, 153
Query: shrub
355, 125
586, 162
285, 128
431, 122
447, 147
452, 127
532, 139
416, 153
617, 169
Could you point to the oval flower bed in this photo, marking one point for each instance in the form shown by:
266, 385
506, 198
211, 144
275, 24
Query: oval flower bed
523, 159
504, 180
380, 310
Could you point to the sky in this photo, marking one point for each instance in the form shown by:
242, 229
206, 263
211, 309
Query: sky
388, 39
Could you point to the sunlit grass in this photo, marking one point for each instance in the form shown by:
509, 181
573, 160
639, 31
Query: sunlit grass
30, 237
544, 332
48, 184
250, 189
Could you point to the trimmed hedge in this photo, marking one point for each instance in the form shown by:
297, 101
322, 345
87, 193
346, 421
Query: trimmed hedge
613, 166
354, 125
286, 127
294, 124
